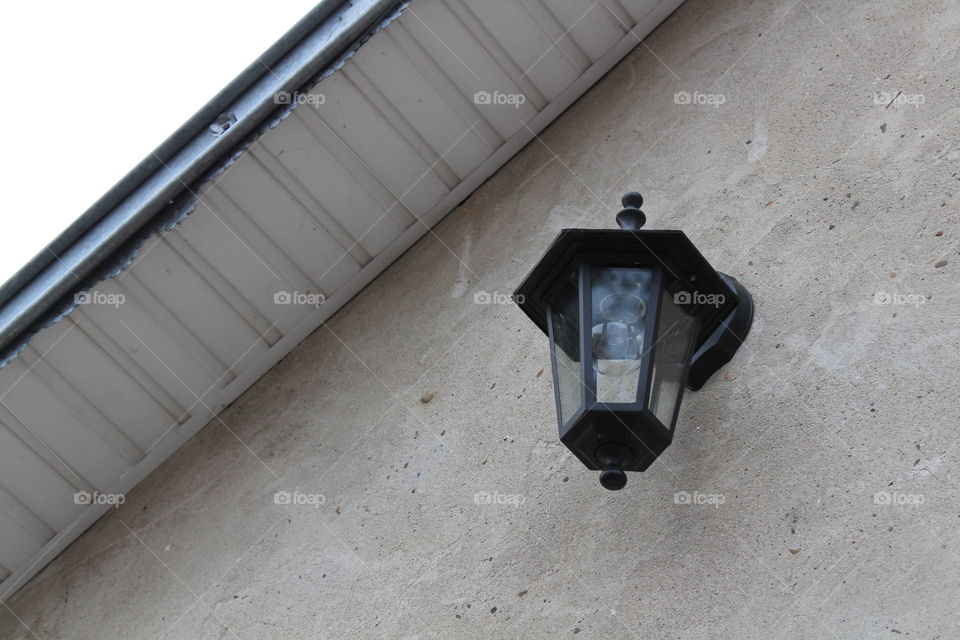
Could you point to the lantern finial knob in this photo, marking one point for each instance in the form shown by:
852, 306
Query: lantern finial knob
613, 479
630, 217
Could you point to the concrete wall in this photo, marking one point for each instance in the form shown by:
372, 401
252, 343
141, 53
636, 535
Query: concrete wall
830, 440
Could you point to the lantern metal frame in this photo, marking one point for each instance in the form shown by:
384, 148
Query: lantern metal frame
628, 436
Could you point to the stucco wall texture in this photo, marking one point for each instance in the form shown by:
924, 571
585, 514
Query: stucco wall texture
817, 160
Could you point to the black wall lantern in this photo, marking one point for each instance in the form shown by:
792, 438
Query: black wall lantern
633, 316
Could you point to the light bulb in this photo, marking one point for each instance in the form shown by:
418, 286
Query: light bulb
617, 341
619, 335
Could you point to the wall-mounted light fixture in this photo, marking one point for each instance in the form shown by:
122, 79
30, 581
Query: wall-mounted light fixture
633, 316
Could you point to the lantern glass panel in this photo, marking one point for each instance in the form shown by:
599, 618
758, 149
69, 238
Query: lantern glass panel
564, 323
670, 356
620, 299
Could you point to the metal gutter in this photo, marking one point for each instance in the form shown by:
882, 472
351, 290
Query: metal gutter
91, 248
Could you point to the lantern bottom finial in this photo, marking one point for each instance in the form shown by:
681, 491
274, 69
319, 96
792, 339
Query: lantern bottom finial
613, 479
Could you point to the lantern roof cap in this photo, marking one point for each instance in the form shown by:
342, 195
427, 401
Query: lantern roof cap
685, 269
